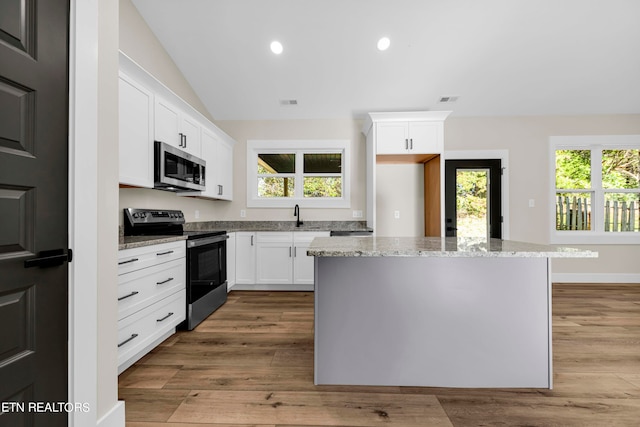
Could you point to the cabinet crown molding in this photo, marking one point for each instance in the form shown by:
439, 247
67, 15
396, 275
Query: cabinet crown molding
405, 116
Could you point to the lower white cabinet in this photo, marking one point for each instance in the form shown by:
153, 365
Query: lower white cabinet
245, 258
151, 298
275, 260
231, 261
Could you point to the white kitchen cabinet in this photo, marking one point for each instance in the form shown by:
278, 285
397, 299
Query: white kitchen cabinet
282, 261
151, 298
135, 133
219, 170
245, 258
274, 258
409, 137
175, 127
303, 265
231, 261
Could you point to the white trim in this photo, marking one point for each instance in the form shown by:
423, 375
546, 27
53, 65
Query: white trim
595, 278
83, 162
597, 235
115, 417
298, 146
503, 155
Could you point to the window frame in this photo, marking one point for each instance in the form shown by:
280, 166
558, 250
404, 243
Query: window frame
595, 144
299, 148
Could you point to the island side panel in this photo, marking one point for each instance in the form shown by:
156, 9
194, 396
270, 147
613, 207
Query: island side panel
426, 321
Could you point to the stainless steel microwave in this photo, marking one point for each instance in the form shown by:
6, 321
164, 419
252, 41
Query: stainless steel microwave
176, 170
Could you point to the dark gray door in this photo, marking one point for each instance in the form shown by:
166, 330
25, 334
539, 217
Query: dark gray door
473, 198
33, 211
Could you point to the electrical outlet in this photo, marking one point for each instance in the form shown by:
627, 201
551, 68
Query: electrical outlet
396, 214
532, 203
243, 213
357, 214
197, 214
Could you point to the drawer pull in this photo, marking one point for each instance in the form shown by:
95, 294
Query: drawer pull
164, 253
165, 317
129, 295
164, 281
128, 261
133, 336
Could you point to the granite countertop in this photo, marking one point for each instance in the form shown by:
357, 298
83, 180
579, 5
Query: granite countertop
129, 242
231, 226
437, 247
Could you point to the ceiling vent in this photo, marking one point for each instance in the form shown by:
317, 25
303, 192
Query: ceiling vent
288, 102
448, 99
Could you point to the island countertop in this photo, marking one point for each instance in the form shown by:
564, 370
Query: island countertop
438, 247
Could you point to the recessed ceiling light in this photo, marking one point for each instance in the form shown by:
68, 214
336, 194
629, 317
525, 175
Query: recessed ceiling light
384, 43
276, 47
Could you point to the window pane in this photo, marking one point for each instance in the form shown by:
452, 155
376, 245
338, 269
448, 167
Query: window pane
322, 186
621, 212
276, 163
573, 211
620, 168
275, 187
323, 163
573, 169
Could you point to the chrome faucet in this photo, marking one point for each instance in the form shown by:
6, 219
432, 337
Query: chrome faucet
296, 213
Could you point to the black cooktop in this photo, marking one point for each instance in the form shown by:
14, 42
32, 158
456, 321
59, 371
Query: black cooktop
154, 222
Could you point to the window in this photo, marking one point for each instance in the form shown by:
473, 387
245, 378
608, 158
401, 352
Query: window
596, 196
308, 173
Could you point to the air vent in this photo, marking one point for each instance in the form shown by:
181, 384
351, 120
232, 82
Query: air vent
448, 99
288, 102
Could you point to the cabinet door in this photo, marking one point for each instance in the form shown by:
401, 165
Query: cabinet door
135, 133
245, 258
392, 138
275, 258
424, 138
225, 170
190, 128
231, 260
303, 264
167, 123
209, 148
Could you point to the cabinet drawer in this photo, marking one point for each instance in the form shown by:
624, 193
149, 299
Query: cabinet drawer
308, 236
137, 258
141, 288
140, 329
274, 236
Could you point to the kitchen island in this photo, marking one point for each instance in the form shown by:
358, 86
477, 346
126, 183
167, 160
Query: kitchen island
428, 311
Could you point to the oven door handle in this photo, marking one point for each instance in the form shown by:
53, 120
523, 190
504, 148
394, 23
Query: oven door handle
193, 243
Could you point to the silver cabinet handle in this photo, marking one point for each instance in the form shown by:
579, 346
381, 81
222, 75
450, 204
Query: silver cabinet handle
128, 261
406, 144
164, 281
181, 139
165, 317
164, 253
251, 240
128, 296
289, 251
133, 336
411, 143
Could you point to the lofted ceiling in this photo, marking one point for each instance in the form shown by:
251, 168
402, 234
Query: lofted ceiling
499, 57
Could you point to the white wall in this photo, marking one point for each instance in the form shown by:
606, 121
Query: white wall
527, 140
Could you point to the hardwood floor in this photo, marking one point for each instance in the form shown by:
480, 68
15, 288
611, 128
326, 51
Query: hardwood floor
251, 364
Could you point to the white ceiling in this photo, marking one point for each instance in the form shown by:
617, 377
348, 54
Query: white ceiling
501, 57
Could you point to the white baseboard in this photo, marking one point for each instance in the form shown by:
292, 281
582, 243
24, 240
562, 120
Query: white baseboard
285, 287
113, 418
595, 278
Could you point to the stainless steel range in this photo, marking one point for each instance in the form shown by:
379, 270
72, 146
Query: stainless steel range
206, 258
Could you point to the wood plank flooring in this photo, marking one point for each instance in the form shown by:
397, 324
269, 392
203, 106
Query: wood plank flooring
251, 364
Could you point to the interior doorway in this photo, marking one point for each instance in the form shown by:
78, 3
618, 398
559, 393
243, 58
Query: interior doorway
473, 198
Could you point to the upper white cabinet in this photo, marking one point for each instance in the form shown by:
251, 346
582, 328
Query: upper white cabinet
135, 133
409, 137
177, 128
219, 170
149, 111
